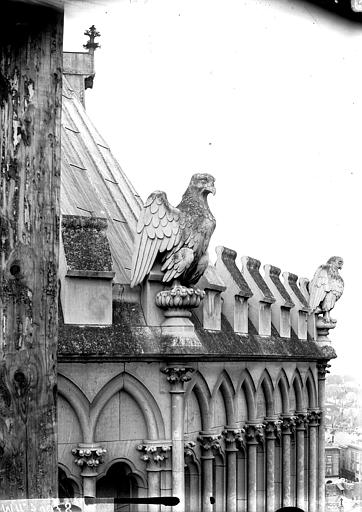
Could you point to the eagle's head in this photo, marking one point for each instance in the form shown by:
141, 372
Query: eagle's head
203, 183
336, 261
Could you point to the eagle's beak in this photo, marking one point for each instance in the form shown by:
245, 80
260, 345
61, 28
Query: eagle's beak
212, 190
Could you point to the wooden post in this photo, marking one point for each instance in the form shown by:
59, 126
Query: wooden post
30, 110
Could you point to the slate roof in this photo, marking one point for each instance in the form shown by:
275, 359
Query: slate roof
93, 183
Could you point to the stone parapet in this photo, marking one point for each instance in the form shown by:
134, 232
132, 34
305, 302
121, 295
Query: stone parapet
237, 292
262, 299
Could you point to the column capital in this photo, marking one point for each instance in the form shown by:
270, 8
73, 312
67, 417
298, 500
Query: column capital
313, 417
154, 454
322, 367
300, 420
89, 456
209, 441
272, 428
231, 436
254, 433
287, 425
177, 374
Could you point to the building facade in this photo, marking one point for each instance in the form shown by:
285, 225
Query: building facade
227, 415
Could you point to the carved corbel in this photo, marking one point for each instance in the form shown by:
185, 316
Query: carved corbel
89, 457
154, 454
177, 374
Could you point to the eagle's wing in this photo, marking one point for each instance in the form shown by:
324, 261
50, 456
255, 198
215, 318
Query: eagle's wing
182, 255
158, 230
318, 287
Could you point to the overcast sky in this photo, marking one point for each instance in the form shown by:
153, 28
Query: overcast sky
264, 95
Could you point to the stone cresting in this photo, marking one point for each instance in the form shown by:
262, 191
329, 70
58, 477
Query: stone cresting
325, 289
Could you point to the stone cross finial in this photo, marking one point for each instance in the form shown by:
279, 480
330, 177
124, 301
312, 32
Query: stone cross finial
92, 33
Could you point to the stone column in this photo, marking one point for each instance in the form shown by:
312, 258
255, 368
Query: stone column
322, 371
208, 442
253, 434
89, 456
154, 454
231, 435
177, 376
271, 427
287, 428
300, 422
313, 420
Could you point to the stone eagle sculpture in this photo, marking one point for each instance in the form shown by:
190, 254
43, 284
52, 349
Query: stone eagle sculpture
326, 288
177, 237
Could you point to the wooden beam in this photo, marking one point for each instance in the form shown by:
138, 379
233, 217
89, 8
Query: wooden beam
30, 110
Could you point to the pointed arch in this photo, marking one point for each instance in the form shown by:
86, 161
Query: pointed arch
266, 387
297, 385
138, 474
283, 385
310, 390
77, 480
199, 387
79, 403
225, 386
247, 387
142, 396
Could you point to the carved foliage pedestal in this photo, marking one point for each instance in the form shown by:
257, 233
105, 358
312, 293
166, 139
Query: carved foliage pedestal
177, 303
323, 327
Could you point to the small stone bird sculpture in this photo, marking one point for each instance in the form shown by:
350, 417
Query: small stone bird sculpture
326, 288
177, 237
